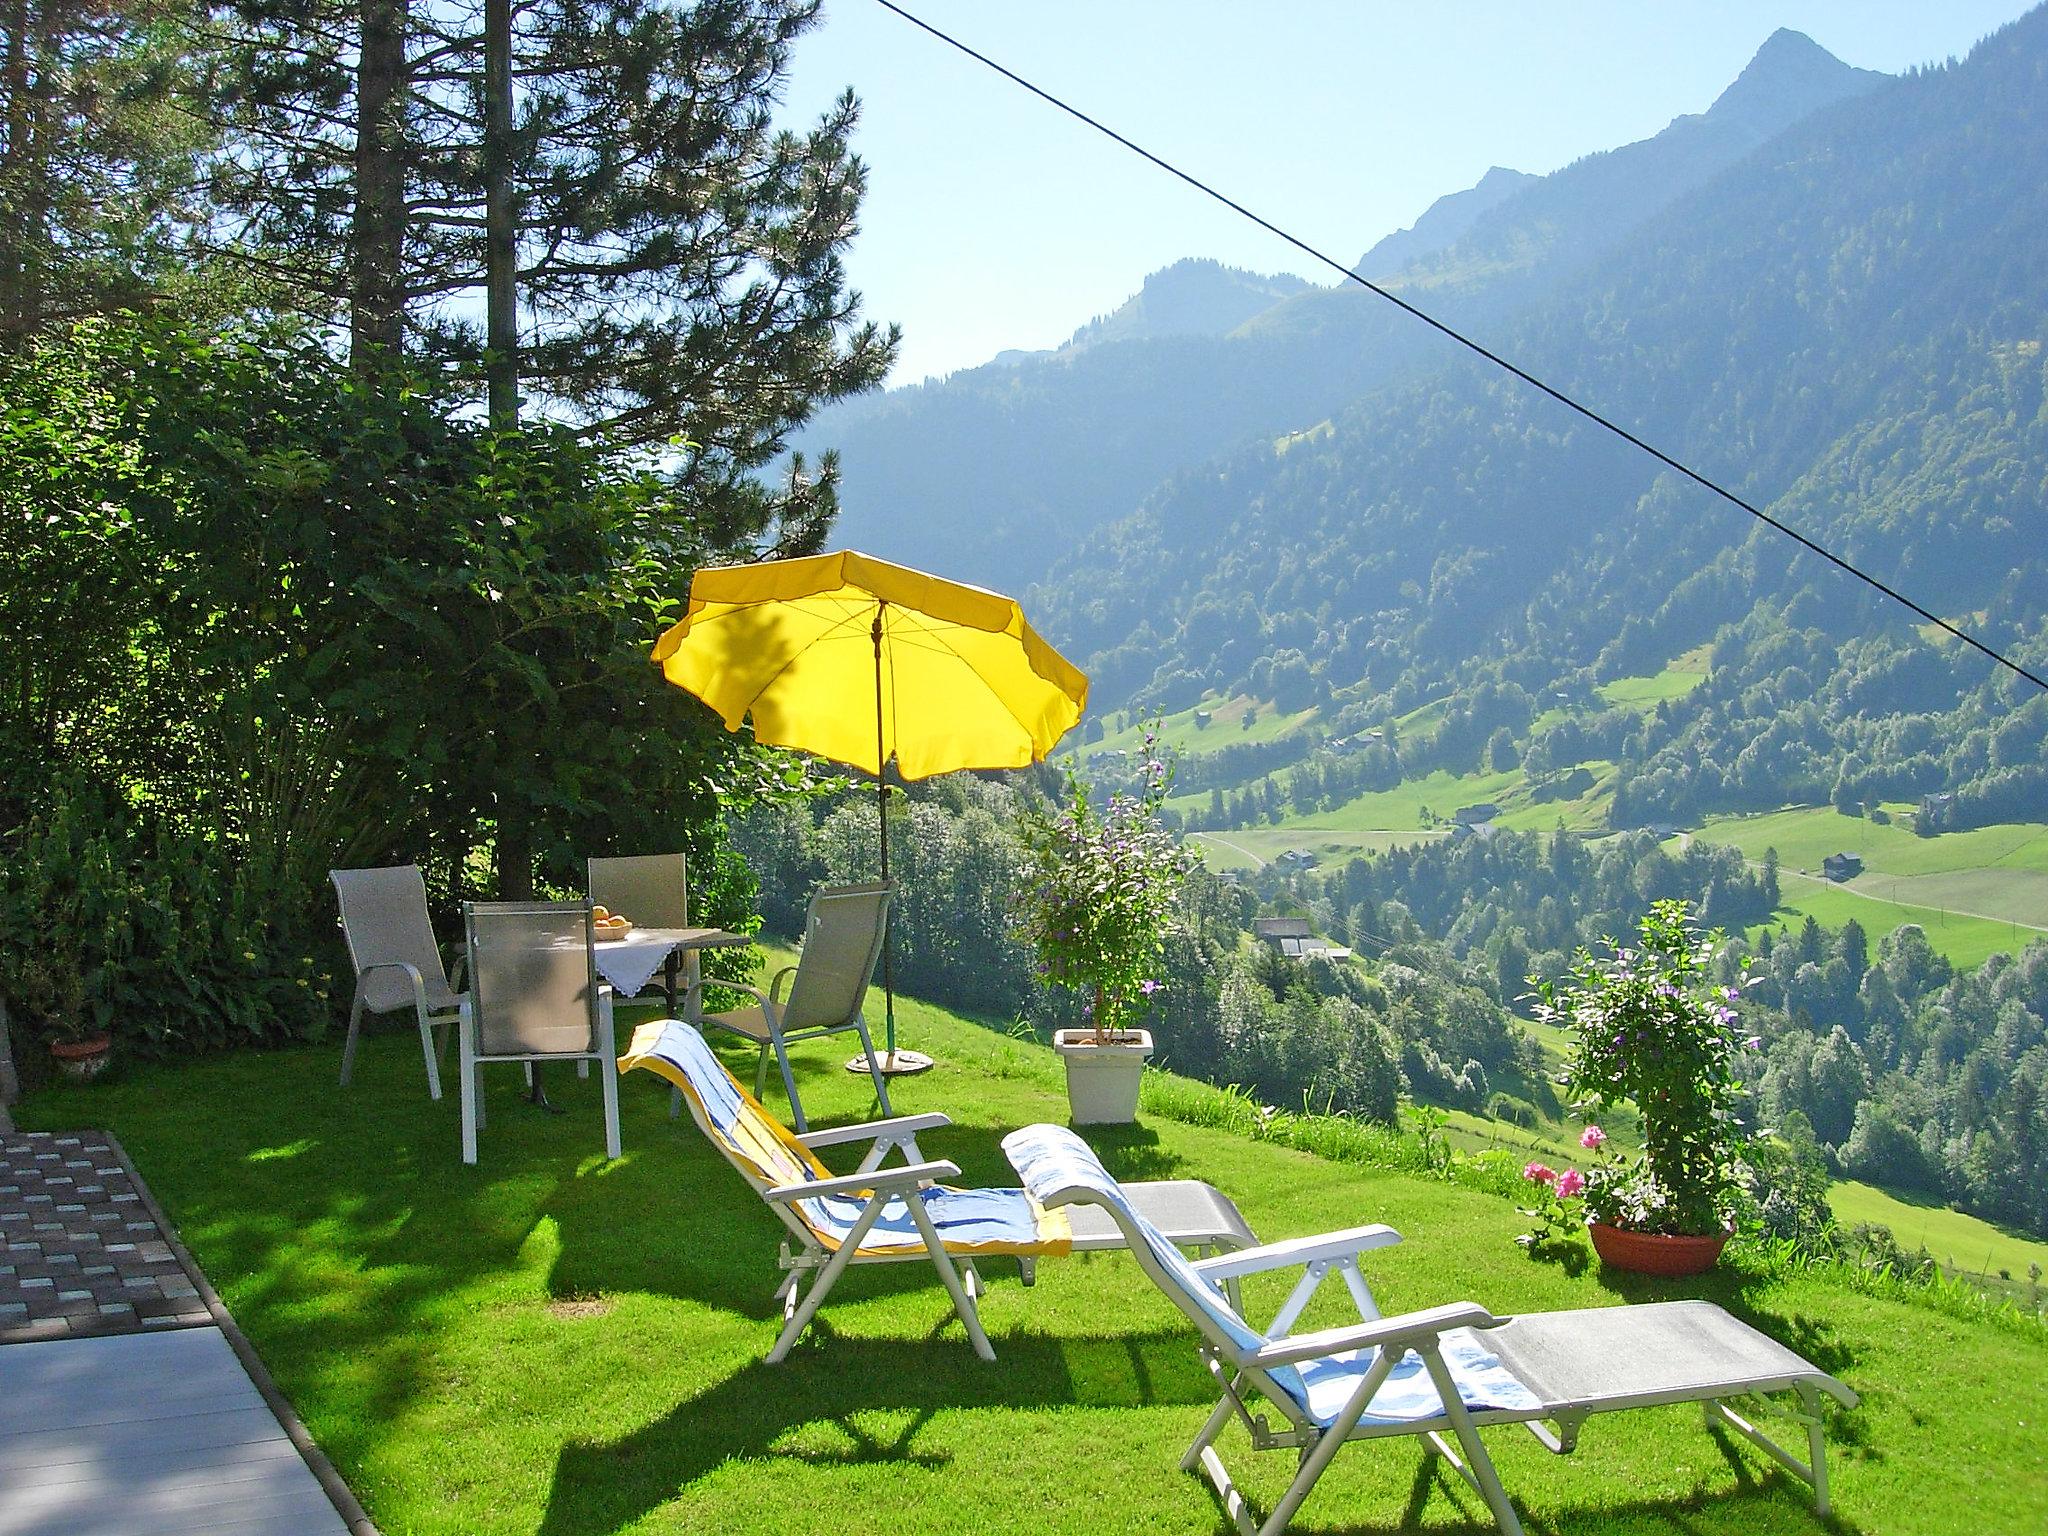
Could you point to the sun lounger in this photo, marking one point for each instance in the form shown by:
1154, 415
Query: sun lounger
1447, 1370
880, 1215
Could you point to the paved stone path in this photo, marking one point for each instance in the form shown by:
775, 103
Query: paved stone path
126, 1403
80, 1251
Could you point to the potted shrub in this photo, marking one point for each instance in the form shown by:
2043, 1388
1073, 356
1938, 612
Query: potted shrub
45, 972
1099, 901
1651, 1028
45, 994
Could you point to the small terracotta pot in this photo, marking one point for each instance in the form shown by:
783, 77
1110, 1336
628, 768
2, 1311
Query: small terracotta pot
1656, 1253
82, 1060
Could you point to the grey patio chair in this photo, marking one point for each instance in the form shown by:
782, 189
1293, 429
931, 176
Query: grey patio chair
533, 997
1446, 1370
827, 985
397, 962
650, 888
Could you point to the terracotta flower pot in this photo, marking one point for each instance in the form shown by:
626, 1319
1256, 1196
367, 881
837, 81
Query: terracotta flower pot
81, 1060
1656, 1253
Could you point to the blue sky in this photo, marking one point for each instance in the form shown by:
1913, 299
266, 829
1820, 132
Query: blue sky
994, 221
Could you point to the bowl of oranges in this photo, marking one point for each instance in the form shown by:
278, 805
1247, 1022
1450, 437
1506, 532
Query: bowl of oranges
607, 925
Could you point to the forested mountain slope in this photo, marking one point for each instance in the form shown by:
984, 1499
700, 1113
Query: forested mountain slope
989, 474
1845, 326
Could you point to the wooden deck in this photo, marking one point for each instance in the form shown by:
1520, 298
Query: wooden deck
147, 1432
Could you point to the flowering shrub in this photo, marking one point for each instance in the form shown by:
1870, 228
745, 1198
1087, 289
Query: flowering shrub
1652, 1028
1099, 894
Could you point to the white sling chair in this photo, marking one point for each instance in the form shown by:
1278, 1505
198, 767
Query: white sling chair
534, 997
1448, 1369
879, 1215
397, 962
843, 935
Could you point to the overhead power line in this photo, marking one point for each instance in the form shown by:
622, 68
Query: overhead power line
1469, 344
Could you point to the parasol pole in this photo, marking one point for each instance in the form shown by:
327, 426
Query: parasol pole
882, 827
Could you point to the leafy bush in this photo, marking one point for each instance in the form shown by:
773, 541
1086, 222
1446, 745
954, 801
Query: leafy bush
1651, 1028
176, 941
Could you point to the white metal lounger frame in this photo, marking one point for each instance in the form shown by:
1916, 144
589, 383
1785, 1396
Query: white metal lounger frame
1237, 1368
810, 1256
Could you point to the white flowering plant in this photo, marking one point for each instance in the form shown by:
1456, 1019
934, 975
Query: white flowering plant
1100, 890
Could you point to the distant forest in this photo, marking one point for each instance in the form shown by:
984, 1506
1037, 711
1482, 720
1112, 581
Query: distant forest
1907, 1073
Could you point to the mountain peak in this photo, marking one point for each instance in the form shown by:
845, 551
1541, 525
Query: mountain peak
1196, 296
1790, 76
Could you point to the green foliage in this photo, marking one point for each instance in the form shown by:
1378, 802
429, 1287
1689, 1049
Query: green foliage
1653, 1028
350, 627
157, 935
1099, 888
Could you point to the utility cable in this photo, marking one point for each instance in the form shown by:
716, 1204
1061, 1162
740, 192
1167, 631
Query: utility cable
1467, 342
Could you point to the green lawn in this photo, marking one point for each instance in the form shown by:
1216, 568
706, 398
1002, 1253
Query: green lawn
1179, 733
1967, 941
1401, 808
1245, 848
1806, 835
550, 1344
1674, 682
1956, 1240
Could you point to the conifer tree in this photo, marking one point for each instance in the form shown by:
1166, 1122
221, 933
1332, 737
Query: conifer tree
675, 257
94, 156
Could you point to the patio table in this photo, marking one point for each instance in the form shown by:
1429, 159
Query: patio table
629, 964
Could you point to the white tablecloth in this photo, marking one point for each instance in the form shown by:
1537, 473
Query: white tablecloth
630, 963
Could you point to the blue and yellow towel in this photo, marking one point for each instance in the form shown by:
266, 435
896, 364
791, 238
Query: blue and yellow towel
969, 1221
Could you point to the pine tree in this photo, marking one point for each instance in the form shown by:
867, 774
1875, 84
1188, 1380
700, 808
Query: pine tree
674, 269
93, 156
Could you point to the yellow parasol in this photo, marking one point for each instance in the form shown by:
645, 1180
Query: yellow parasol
860, 661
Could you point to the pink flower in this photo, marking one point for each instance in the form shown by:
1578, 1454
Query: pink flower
1569, 1183
1539, 1173
1592, 1138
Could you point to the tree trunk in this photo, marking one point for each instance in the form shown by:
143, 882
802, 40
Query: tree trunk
501, 277
376, 295
14, 80
513, 852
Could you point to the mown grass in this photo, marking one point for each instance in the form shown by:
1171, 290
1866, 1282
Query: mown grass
1967, 941
1952, 1238
549, 1343
1178, 732
1646, 693
1246, 848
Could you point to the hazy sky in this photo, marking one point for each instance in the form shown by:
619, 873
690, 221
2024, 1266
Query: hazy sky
995, 221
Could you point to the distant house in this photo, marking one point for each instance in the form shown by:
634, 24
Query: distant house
1296, 858
1934, 808
1485, 810
1274, 929
1464, 830
1294, 939
1203, 717
1663, 829
1842, 866
1111, 755
1342, 744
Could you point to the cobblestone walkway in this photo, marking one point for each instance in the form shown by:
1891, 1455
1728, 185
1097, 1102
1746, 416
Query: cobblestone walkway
80, 1249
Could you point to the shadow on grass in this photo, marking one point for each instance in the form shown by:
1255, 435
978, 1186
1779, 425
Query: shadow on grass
762, 1413
602, 1486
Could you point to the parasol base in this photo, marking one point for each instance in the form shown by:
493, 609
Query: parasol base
897, 1063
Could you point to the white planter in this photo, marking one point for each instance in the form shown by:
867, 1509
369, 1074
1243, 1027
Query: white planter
1102, 1080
